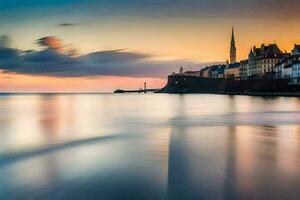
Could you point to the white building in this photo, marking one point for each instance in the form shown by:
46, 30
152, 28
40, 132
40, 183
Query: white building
295, 73
287, 71
281, 69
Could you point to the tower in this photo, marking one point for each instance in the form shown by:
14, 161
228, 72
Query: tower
181, 70
232, 48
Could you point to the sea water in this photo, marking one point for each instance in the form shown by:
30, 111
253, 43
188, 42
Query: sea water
149, 146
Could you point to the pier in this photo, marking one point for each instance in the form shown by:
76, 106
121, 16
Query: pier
136, 91
141, 90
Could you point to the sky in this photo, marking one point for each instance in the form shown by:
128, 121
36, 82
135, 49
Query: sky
102, 45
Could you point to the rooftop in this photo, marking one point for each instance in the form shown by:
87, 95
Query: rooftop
297, 47
267, 51
234, 65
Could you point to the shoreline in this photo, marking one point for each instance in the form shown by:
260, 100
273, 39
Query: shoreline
258, 94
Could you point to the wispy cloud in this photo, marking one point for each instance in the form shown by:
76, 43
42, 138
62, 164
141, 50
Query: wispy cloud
68, 24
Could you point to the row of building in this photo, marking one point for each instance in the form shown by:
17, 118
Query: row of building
265, 62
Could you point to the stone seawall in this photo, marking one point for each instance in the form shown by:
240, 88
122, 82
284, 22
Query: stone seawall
193, 84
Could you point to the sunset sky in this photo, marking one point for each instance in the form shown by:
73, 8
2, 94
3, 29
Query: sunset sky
101, 45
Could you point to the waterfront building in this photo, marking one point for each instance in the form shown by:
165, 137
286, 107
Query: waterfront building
187, 73
233, 70
243, 69
213, 71
287, 71
251, 69
288, 68
216, 71
295, 73
280, 67
192, 73
232, 48
221, 71
296, 50
204, 71
261, 61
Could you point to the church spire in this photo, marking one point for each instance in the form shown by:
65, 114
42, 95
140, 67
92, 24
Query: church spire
232, 48
232, 38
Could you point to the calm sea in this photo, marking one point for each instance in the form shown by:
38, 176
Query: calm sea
149, 146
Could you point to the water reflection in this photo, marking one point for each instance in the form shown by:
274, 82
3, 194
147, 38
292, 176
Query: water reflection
49, 116
230, 181
149, 147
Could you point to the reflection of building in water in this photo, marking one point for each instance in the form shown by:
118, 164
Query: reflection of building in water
230, 153
289, 151
253, 163
179, 183
230, 169
193, 170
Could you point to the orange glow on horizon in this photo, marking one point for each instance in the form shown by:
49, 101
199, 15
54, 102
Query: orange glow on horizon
26, 83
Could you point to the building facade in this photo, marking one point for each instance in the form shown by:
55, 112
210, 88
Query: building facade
295, 74
204, 71
287, 71
233, 71
243, 69
217, 71
261, 61
281, 66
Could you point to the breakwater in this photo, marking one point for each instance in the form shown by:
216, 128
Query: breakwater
195, 84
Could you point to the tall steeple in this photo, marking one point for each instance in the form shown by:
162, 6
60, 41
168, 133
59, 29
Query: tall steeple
232, 48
